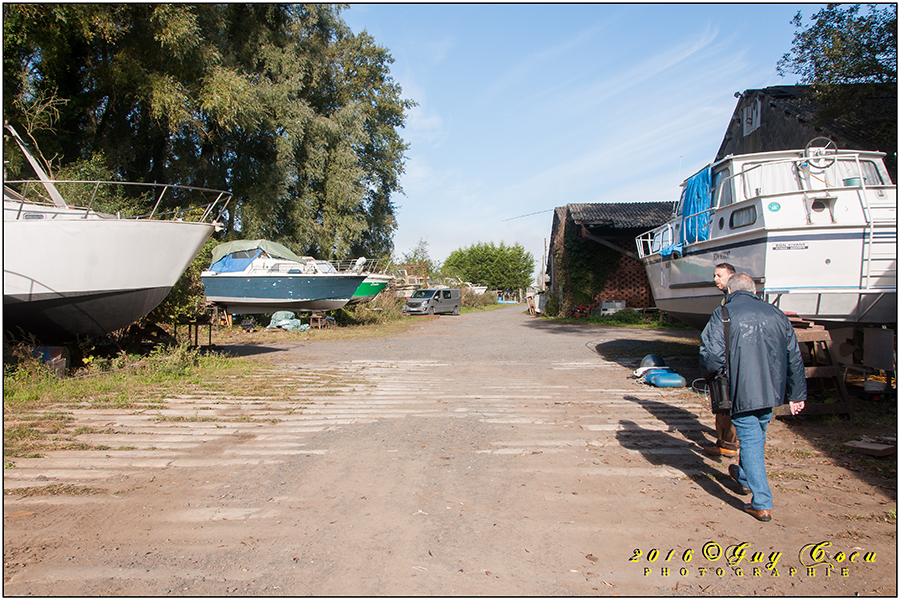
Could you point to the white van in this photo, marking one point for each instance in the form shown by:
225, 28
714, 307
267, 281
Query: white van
431, 302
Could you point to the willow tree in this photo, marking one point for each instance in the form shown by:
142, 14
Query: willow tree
281, 104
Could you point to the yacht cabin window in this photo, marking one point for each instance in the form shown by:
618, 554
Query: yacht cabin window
722, 195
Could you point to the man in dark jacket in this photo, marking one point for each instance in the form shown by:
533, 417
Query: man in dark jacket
765, 369
726, 437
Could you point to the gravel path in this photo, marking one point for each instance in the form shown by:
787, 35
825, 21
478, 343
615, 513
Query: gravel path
483, 454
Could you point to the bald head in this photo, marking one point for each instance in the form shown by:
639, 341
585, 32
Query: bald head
741, 282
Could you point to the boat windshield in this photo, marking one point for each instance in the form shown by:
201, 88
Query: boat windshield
768, 178
422, 294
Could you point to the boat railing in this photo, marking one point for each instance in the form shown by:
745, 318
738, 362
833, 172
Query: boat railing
653, 241
377, 266
282, 267
803, 174
188, 203
664, 240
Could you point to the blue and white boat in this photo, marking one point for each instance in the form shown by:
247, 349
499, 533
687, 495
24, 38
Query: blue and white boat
261, 277
815, 228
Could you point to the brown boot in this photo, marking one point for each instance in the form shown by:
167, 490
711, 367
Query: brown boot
760, 515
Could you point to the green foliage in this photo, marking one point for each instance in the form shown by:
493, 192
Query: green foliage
623, 318
848, 54
279, 103
552, 308
589, 266
186, 301
843, 46
498, 267
419, 256
469, 299
384, 308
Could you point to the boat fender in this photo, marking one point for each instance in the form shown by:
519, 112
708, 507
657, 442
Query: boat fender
667, 379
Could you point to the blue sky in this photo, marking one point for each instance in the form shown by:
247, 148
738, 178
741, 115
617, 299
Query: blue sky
526, 107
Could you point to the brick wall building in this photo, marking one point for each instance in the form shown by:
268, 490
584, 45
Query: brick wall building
612, 225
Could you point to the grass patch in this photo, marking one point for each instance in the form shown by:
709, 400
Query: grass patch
792, 476
183, 419
795, 453
886, 517
626, 318
37, 404
57, 489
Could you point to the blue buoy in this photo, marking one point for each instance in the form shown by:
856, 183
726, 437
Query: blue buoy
667, 379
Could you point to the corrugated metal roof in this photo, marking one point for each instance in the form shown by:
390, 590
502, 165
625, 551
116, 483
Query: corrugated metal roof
622, 215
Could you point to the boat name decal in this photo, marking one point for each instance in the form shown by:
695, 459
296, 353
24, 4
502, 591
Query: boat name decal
790, 246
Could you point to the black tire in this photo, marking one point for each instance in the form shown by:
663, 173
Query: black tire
431, 311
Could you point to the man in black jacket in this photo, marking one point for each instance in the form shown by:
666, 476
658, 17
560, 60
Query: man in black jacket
726, 437
765, 369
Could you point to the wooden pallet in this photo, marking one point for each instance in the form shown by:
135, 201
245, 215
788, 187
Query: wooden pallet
823, 369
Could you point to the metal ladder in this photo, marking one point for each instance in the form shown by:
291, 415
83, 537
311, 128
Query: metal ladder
879, 268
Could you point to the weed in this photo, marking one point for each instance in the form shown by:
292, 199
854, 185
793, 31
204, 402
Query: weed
83, 430
793, 476
626, 318
58, 489
181, 419
887, 517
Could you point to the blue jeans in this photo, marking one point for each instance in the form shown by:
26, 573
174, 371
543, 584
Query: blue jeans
751, 432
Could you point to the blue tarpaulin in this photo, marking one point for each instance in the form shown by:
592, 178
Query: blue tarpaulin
229, 264
695, 199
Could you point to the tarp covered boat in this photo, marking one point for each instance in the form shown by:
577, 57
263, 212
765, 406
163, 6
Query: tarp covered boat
261, 277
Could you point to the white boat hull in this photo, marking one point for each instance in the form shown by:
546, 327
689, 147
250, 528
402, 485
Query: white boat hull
826, 252
87, 277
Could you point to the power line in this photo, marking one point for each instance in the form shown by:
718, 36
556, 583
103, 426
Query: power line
528, 215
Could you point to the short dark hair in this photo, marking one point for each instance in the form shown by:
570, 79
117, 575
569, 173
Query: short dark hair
728, 267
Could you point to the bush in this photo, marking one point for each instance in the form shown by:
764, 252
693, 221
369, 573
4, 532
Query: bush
384, 308
469, 299
552, 307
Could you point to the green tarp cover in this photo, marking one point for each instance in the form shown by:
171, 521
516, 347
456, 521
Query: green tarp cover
273, 249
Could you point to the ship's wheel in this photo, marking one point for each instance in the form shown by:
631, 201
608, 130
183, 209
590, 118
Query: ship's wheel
821, 152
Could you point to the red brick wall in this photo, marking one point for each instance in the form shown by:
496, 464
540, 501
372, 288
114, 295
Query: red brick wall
629, 283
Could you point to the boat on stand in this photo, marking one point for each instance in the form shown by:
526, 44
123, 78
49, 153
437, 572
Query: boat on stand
815, 228
262, 277
72, 271
377, 278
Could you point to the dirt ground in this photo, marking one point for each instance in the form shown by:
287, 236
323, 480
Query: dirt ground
483, 454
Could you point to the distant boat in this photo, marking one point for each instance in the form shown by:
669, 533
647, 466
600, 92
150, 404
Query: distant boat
815, 228
261, 277
370, 287
71, 271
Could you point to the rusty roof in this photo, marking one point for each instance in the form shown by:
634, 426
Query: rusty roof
622, 215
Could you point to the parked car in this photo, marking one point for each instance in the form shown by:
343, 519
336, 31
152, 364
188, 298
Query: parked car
431, 302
